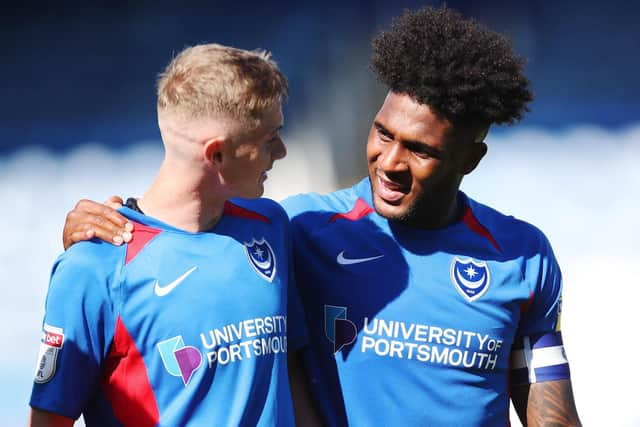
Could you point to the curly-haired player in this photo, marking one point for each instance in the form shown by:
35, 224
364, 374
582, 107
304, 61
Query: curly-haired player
424, 306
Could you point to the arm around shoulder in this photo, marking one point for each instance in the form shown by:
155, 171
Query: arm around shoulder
90, 219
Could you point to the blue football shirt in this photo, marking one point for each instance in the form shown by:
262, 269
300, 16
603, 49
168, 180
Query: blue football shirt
415, 327
174, 328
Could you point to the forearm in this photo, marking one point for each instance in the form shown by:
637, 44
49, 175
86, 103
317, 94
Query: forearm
305, 411
40, 418
549, 403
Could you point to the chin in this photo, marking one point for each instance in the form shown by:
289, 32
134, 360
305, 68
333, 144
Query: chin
389, 211
253, 193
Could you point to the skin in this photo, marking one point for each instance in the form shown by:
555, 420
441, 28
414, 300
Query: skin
241, 160
251, 155
217, 159
548, 404
41, 418
416, 161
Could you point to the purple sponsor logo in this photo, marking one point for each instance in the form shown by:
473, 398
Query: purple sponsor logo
337, 328
179, 360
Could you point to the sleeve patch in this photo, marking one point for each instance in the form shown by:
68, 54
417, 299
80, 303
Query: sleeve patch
50, 346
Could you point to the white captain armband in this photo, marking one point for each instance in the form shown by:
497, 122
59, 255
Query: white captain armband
538, 358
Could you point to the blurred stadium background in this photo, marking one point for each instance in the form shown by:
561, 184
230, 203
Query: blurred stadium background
78, 120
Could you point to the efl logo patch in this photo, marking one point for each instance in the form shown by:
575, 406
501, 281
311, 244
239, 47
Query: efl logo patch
337, 328
471, 278
50, 346
53, 339
179, 360
262, 258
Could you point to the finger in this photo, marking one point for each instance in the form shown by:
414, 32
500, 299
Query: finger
77, 236
106, 234
97, 209
104, 226
114, 202
82, 226
108, 214
116, 199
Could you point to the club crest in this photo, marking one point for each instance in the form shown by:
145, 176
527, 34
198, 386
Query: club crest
471, 278
262, 258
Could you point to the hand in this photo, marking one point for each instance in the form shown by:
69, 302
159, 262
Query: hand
90, 219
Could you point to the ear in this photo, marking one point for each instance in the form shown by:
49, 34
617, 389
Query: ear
475, 153
214, 150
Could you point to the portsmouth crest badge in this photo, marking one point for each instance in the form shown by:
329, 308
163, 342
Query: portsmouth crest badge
471, 278
262, 258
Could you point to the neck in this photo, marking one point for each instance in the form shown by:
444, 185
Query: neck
425, 216
183, 198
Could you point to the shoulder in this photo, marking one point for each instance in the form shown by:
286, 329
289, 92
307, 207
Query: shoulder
338, 201
85, 274
511, 232
260, 209
93, 257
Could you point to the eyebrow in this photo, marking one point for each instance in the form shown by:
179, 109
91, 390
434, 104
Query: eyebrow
412, 144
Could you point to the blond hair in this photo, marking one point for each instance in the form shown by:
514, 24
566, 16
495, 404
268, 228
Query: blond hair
212, 79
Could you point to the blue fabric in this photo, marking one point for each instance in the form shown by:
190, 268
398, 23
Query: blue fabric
214, 345
415, 327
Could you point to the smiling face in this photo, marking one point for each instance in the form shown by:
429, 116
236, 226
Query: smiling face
251, 154
416, 162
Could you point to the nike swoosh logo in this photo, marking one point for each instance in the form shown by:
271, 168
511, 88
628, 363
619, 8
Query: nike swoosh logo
164, 290
348, 261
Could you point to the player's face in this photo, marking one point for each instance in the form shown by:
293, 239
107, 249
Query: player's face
253, 155
416, 162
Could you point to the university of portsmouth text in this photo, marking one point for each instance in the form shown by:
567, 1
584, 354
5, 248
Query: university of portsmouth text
430, 344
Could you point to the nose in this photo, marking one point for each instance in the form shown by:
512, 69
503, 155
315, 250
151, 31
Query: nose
393, 158
279, 150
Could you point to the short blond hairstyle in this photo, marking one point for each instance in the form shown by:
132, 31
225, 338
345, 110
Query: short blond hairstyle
212, 79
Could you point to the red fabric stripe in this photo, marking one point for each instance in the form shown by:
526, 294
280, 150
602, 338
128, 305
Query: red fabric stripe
125, 382
235, 210
141, 236
473, 223
360, 210
524, 307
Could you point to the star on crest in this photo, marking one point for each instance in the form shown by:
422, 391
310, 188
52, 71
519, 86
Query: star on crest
470, 271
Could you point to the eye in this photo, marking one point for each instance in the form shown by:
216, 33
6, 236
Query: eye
421, 151
384, 135
422, 154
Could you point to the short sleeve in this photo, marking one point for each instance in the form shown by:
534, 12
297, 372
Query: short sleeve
77, 330
538, 353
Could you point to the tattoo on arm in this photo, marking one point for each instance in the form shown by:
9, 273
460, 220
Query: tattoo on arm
551, 404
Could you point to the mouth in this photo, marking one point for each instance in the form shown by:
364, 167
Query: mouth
390, 191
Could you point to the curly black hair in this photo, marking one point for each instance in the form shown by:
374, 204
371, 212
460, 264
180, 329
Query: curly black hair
458, 67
